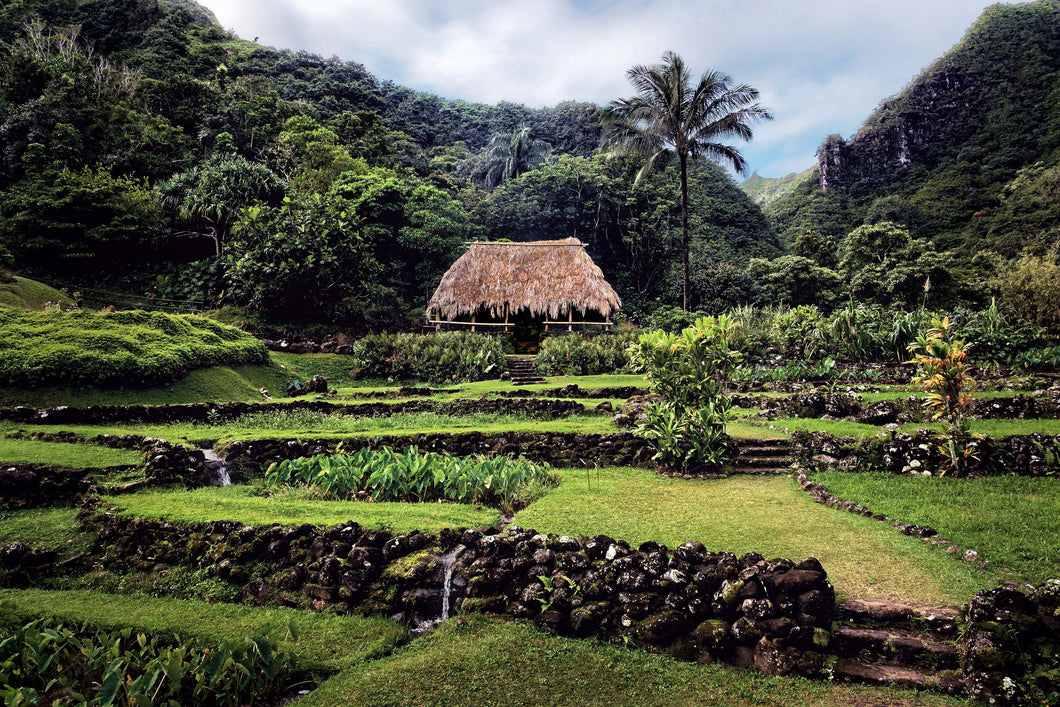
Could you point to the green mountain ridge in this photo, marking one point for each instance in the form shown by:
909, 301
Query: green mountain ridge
968, 154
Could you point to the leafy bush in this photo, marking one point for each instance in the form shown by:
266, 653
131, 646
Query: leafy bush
133, 348
685, 370
385, 475
46, 661
438, 357
585, 354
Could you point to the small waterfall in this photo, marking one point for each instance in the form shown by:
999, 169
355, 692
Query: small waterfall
217, 466
446, 563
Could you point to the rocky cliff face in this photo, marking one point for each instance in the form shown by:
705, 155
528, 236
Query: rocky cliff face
906, 130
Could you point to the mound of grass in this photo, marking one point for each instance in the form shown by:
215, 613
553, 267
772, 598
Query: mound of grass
324, 642
478, 661
73, 456
128, 349
24, 293
1012, 521
296, 506
864, 558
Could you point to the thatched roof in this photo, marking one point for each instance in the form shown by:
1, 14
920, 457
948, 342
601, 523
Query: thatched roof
544, 277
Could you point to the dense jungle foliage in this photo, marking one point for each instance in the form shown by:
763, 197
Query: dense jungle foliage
146, 150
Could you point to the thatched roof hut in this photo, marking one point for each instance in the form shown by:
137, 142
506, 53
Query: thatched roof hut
549, 279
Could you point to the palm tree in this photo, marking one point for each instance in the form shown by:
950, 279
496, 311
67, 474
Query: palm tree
508, 155
668, 114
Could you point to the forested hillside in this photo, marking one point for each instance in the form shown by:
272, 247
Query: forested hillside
965, 156
766, 190
145, 149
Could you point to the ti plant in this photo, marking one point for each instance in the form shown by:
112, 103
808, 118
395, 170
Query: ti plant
686, 371
943, 373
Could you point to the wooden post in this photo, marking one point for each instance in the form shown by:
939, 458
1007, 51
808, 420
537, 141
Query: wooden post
570, 318
506, 318
607, 322
472, 323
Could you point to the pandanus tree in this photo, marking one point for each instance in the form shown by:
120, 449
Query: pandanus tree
671, 114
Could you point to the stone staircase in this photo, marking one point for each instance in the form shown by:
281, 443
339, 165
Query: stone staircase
524, 370
762, 456
900, 645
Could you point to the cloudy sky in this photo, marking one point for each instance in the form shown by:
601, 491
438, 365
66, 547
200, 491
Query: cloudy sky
821, 66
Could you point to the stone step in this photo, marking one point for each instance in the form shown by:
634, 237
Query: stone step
764, 460
938, 620
896, 676
897, 647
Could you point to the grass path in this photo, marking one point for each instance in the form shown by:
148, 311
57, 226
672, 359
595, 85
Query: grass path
74, 456
1011, 521
293, 508
864, 558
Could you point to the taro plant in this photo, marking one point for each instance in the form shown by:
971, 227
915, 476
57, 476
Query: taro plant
686, 371
385, 475
943, 373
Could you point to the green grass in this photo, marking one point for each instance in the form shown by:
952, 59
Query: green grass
864, 558
478, 661
73, 456
1012, 521
840, 428
324, 642
24, 293
996, 428
48, 528
295, 506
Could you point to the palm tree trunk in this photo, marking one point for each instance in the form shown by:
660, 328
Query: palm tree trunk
684, 230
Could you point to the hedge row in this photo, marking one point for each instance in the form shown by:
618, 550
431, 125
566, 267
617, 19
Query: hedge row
439, 357
586, 354
128, 349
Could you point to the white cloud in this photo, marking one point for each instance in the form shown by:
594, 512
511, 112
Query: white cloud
821, 66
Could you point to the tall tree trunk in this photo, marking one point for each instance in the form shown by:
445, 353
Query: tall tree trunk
684, 230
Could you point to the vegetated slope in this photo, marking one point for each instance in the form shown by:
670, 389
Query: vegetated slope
29, 294
767, 190
125, 349
967, 155
183, 38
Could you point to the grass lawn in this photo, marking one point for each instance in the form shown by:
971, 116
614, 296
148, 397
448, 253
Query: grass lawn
864, 558
1012, 521
478, 661
324, 642
73, 456
293, 507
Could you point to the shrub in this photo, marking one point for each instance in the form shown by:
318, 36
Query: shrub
943, 373
585, 354
439, 357
685, 370
133, 348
